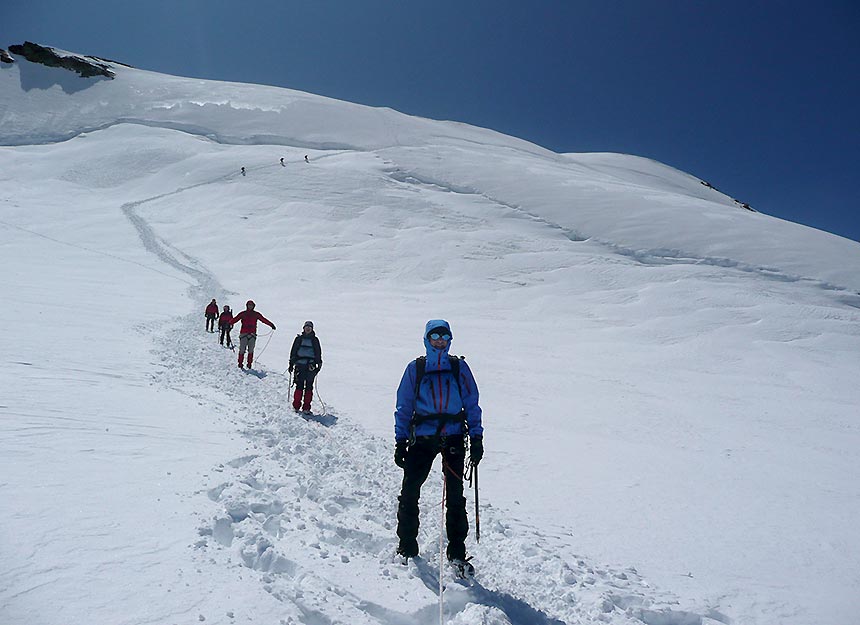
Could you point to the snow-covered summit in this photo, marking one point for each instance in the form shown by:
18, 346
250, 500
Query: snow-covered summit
668, 380
611, 198
233, 113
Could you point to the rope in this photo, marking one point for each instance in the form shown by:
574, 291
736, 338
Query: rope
260, 353
317, 388
441, 545
447, 467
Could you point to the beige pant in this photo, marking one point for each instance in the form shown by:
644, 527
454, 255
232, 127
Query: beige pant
247, 342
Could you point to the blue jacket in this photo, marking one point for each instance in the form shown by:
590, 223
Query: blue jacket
439, 394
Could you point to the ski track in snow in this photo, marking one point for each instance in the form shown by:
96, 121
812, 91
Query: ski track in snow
311, 508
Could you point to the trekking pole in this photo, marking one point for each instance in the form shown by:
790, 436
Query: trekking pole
477, 513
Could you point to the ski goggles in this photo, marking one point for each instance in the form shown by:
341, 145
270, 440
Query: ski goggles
435, 336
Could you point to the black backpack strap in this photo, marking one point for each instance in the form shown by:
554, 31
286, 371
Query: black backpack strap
420, 368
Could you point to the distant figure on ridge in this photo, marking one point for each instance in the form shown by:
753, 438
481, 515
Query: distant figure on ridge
211, 313
306, 357
243, 171
306, 159
282, 162
248, 331
225, 326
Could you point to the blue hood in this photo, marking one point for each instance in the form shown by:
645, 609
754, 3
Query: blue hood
436, 355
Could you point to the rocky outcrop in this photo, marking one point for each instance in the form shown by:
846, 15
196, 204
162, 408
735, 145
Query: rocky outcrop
87, 67
111, 61
5, 57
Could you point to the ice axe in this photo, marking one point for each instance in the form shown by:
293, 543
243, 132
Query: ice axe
473, 480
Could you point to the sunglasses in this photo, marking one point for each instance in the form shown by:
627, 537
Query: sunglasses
435, 336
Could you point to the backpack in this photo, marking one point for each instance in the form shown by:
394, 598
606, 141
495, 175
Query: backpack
420, 368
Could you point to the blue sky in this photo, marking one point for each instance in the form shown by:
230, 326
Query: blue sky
762, 99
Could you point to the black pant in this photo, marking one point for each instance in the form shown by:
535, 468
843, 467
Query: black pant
210, 323
419, 461
305, 377
225, 331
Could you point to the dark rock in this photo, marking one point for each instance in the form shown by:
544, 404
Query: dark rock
98, 58
4, 57
48, 56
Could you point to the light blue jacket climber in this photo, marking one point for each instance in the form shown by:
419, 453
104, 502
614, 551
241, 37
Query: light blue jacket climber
439, 394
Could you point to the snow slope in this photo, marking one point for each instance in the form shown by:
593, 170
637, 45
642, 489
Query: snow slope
669, 381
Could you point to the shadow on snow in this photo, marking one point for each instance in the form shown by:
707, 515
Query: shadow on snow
457, 597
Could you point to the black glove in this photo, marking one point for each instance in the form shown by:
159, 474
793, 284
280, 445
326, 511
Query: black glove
273, 327
401, 451
476, 450
290, 368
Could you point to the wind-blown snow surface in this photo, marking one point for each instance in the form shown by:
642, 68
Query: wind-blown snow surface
669, 382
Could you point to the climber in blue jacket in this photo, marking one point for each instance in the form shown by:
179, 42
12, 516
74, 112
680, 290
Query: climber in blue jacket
437, 411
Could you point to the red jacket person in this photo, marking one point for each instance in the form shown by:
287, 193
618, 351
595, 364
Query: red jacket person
248, 331
211, 313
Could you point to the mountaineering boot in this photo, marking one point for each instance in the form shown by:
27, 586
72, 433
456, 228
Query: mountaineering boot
306, 405
297, 399
456, 553
250, 359
462, 568
407, 549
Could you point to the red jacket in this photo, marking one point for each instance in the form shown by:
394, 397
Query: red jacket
249, 321
225, 319
212, 309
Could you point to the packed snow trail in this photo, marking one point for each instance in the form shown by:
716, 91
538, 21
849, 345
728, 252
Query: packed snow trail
310, 508
204, 280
